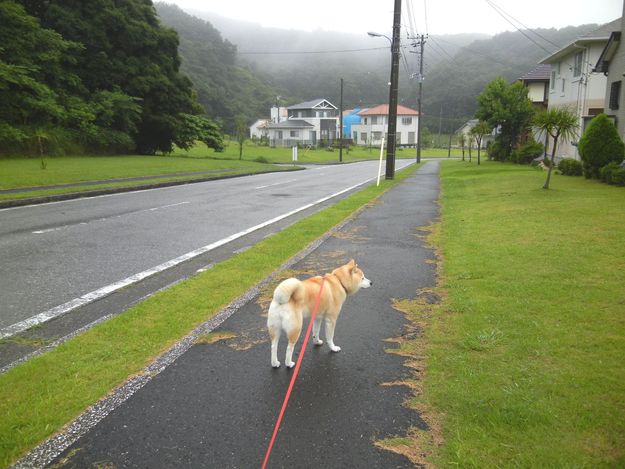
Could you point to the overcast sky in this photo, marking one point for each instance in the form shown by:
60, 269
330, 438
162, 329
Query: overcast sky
431, 16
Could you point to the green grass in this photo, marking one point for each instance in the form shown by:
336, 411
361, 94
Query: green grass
18, 173
526, 358
40, 396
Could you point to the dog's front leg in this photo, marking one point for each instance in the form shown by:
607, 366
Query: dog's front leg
330, 324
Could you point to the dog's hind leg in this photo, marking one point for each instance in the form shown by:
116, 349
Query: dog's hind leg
274, 326
293, 329
316, 331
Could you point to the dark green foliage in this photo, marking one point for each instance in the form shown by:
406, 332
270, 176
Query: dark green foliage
612, 173
508, 108
618, 177
570, 167
94, 75
600, 145
527, 152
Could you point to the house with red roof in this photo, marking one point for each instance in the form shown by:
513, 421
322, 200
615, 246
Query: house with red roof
374, 125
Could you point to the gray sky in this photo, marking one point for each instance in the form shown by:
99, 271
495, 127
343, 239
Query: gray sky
432, 16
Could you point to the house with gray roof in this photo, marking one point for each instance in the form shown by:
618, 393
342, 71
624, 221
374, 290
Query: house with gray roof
309, 123
537, 83
573, 84
611, 63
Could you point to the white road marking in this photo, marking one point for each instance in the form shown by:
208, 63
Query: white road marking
107, 290
275, 184
63, 227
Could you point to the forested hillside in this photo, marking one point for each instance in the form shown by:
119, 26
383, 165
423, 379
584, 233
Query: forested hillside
451, 87
298, 65
93, 76
225, 88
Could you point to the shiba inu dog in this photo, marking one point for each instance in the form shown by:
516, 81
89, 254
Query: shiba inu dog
294, 299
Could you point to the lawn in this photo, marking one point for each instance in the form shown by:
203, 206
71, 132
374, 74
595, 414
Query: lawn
525, 357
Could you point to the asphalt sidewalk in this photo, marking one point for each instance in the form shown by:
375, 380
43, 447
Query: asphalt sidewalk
216, 405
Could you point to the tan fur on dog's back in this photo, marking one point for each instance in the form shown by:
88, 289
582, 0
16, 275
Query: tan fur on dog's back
294, 299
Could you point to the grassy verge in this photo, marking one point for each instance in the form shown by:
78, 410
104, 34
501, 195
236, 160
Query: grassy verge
18, 173
525, 357
40, 396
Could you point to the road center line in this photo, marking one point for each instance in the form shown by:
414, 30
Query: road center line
63, 227
107, 290
275, 184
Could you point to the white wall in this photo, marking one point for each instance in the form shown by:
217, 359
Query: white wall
579, 94
380, 129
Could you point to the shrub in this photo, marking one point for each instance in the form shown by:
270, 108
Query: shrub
527, 152
605, 173
495, 151
600, 145
570, 167
261, 159
618, 177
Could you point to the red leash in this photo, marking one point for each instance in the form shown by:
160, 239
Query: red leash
295, 371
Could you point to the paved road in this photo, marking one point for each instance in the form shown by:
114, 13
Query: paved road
215, 406
52, 254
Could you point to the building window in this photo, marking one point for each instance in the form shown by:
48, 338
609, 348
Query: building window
577, 67
374, 120
552, 80
294, 133
377, 136
615, 94
406, 120
363, 137
366, 120
279, 135
563, 86
558, 67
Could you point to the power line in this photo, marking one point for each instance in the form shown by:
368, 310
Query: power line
310, 51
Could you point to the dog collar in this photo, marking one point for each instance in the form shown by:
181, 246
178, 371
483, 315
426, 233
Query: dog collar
337, 277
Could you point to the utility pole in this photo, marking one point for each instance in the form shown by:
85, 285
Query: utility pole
421, 43
393, 91
341, 125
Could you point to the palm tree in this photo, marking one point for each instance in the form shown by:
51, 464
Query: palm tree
557, 122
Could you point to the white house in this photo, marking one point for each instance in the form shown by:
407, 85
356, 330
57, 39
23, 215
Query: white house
308, 123
612, 64
573, 85
374, 125
469, 139
259, 128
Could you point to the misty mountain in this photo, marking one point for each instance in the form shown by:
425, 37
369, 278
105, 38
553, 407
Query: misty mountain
241, 68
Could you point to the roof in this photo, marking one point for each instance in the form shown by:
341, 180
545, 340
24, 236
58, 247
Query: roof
541, 73
603, 63
290, 124
601, 34
382, 110
320, 103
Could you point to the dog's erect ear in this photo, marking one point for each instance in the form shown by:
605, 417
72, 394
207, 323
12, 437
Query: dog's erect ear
351, 265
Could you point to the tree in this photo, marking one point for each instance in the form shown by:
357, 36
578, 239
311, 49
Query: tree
600, 145
240, 133
193, 128
508, 108
478, 131
557, 122
462, 140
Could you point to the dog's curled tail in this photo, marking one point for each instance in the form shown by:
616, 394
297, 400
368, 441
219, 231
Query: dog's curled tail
285, 290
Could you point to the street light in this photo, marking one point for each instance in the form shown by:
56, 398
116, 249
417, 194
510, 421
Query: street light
372, 34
